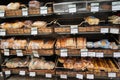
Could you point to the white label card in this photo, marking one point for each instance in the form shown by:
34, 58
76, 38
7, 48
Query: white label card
63, 76
22, 73
74, 29
19, 53
90, 76
114, 30
48, 75
84, 50
72, 8
6, 52
84, 54
91, 54
2, 13
32, 74
94, 7
116, 54
43, 10
34, 31
25, 11
104, 30
79, 76
35, 53
116, 6
63, 53
2, 32
100, 54
112, 75
7, 72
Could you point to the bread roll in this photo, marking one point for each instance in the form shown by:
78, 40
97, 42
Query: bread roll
13, 6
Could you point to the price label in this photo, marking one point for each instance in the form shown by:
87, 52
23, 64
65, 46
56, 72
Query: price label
84, 54
2, 32
84, 50
63, 76
91, 54
22, 73
104, 30
32, 74
112, 75
116, 54
43, 10
79, 76
63, 53
35, 53
114, 30
34, 31
2, 13
116, 6
6, 52
19, 52
90, 76
7, 72
74, 29
100, 54
72, 8
25, 11
94, 7
48, 75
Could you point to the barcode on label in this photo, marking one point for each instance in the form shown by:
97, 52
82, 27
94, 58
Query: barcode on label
34, 31
94, 7
25, 12
2, 32
43, 10
72, 8
74, 29
63, 53
116, 6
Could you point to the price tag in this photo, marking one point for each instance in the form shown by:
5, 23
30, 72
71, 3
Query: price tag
116, 6
2, 32
79, 76
104, 30
84, 54
48, 75
84, 50
114, 30
2, 13
43, 10
25, 11
7, 72
6, 52
35, 53
32, 74
63, 76
72, 8
116, 54
22, 73
100, 54
19, 53
91, 54
74, 29
90, 76
112, 75
94, 7
63, 53
34, 31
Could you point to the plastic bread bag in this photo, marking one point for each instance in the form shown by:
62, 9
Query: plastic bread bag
90, 44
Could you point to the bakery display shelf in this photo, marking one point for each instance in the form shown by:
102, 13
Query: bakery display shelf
89, 52
41, 52
83, 7
60, 71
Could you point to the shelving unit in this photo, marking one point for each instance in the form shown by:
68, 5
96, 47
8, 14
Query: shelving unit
65, 20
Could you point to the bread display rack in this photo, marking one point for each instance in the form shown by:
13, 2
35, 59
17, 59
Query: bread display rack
57, 40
